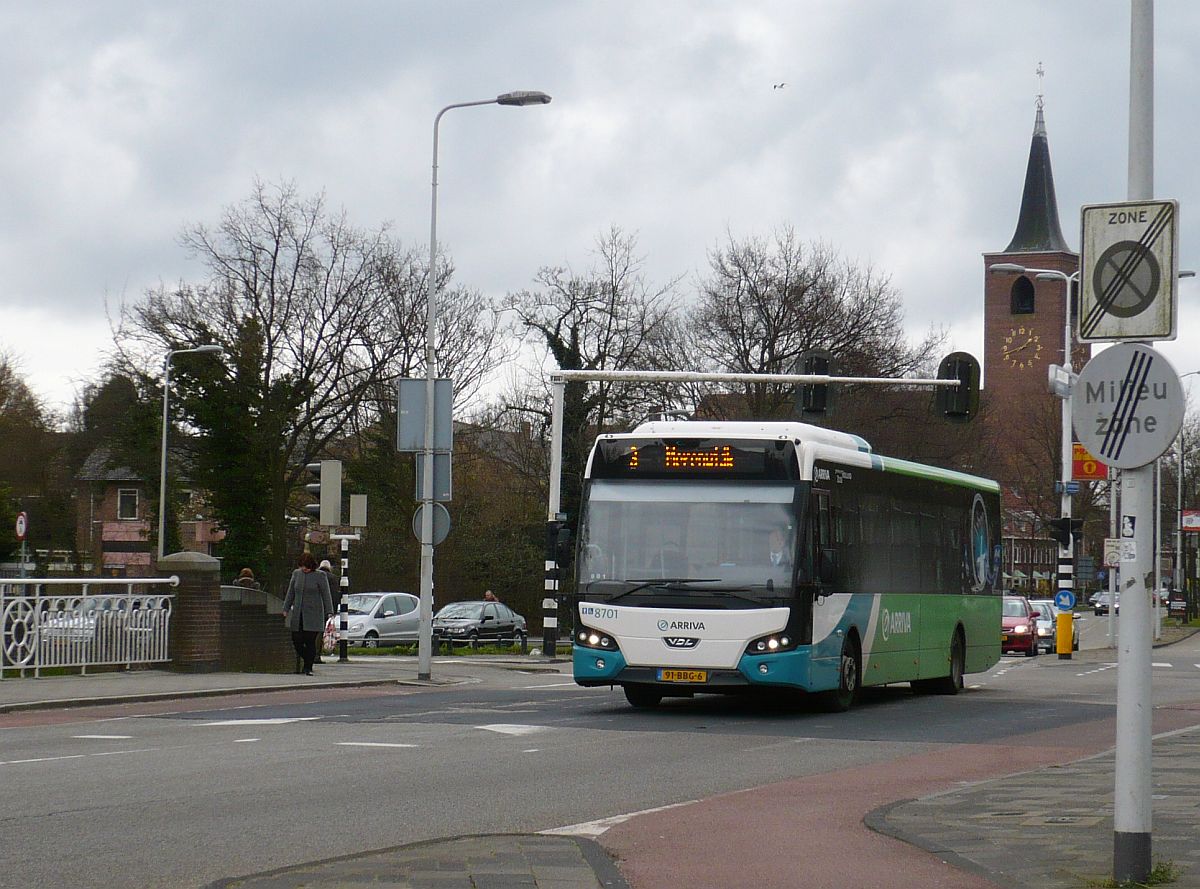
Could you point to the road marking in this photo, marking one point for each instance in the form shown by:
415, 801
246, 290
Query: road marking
1100, 669
281, 720
371, 744
245, 740
104, 737
503, 729
549, 685
1158, 664
15, 762
595, 828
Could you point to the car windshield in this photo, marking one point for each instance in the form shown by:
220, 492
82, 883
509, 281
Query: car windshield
1014, 608
1046, 607
468, 610
361, 603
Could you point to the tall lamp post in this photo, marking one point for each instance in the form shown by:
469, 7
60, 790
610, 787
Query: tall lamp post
1179, 561
162, 477
1066, 568
519, 98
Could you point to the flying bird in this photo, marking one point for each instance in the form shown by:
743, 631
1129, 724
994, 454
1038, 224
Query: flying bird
778, 86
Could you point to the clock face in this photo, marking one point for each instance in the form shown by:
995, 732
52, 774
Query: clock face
1021, 347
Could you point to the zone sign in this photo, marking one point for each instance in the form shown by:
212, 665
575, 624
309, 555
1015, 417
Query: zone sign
1129, 262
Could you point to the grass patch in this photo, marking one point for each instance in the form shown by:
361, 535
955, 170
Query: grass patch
1161, 874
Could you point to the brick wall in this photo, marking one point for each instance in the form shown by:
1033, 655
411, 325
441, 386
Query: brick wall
196, 618
253, 634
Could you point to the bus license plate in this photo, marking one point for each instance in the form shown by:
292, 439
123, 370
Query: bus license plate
683, 676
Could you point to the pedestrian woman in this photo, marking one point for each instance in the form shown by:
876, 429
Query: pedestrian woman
306, 608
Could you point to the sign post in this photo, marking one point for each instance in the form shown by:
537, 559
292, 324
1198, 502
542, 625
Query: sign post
22, 529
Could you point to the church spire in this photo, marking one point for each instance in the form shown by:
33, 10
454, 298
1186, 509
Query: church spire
1038, 230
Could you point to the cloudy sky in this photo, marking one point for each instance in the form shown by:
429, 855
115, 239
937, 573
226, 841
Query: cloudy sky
901, 137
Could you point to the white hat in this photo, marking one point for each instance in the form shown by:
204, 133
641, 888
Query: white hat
325, 564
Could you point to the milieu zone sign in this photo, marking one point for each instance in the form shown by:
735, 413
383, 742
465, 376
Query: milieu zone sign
1127, 405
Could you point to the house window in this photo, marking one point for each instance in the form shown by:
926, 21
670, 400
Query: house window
127, 503
1022, 296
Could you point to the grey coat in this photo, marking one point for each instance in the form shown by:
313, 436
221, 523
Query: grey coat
308, 591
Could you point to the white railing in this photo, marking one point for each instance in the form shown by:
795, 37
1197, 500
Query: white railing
84, 622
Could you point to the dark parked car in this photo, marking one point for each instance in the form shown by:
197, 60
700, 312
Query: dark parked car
1019, 626
1047, 629
477, 622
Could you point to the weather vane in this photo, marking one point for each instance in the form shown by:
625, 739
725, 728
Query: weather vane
1041, 73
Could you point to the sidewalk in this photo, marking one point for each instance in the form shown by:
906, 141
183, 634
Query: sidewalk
1047, 829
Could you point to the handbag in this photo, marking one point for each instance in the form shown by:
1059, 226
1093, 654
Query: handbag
329, 640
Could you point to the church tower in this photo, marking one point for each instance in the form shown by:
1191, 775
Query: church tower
1024, 317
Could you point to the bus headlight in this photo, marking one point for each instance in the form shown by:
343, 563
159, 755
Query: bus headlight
771, 644
589, 638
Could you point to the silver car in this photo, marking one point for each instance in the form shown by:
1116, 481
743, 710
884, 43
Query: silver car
375, 619
1047, 631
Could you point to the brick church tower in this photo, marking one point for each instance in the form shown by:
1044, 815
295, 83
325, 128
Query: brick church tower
1023, 333
1024, 317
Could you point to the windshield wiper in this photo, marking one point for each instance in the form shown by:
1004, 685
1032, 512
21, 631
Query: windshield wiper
662, 582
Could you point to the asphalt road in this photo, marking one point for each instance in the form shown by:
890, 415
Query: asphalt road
184, 793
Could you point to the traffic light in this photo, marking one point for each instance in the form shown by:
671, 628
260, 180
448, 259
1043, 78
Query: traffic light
1065, 529
814, 399
959, 403
558, 542
328, 489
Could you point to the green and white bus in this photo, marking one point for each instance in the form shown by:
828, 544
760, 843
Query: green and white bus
888, 570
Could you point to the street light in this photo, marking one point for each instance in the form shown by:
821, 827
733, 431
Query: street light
162, 477
519, 98
1066, 578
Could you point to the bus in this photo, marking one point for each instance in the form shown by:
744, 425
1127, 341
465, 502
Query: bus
723, 557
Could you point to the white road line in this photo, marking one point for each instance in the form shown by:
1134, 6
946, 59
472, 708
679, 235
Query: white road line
280, 720
17, 762
372, 744
1158, 664
1099, 669
549, 685
503, 729
104, 737
245, 740
595, 828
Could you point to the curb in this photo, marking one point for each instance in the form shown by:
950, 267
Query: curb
148, 697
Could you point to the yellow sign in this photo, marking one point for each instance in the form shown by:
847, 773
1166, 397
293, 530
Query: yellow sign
1085, 467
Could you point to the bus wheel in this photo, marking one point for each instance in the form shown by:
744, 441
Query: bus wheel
642, 696
952, 684
849, 678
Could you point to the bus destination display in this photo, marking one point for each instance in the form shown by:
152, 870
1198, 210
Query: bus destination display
659, 458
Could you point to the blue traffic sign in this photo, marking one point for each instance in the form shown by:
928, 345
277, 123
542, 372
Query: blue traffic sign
1065, 600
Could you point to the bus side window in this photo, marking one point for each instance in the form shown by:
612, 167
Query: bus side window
823, 540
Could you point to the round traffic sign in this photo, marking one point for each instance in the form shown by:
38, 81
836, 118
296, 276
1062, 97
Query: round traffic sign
441, 522
1065, 600
1127, 405
1128, 274
22, 525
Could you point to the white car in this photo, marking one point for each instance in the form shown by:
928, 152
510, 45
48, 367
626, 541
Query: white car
375, 619
1047, 630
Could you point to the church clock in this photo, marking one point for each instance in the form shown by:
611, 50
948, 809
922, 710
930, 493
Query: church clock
1022, 347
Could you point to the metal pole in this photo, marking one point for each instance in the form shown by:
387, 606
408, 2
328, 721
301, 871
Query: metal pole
162, 475
1066, 552
1158, 548
425, 628
550, 600
1132, 807
1114, 485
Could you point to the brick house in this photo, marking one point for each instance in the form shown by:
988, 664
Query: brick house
113, 519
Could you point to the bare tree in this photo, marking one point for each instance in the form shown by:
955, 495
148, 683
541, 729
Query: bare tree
318, 319
766, 302
608, 318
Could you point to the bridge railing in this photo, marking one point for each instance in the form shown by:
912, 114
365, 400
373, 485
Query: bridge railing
84, 622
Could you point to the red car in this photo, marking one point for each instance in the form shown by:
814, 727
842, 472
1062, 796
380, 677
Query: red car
1019, 623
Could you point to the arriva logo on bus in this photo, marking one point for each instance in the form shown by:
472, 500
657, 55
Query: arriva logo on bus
893, 623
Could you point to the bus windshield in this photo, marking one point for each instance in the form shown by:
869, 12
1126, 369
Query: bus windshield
702, 536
